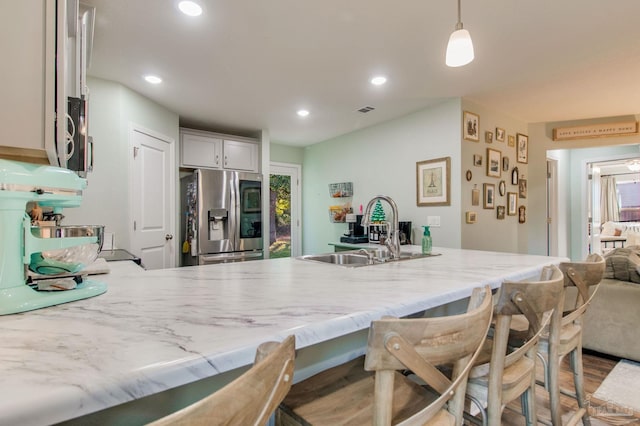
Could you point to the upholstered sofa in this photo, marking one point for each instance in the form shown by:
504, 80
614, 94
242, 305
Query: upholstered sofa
612, 320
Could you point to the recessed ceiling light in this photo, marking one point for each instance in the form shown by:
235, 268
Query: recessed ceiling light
153, 79
379, 80
303, 112
190, 8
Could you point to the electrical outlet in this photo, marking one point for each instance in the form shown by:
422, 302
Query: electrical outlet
433, 221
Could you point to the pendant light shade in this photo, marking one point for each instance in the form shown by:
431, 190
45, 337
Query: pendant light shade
460, 47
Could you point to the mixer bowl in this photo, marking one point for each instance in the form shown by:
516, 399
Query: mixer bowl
66, 260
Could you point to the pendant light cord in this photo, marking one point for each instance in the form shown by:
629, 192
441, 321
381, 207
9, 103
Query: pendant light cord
459, 23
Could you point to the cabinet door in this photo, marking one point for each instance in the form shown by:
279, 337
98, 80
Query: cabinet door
200, 151
28, 86
240, 155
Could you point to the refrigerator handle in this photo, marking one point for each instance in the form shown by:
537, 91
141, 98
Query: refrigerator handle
233, 214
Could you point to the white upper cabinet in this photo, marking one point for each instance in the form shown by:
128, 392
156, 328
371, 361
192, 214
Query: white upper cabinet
41, 67
240, 155
200, 149
28, 88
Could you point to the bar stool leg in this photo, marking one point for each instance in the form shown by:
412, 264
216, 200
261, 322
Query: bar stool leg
578, 381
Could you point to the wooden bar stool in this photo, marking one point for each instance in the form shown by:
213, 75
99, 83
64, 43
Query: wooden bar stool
581, 281
351, 394
248, 400
504, 372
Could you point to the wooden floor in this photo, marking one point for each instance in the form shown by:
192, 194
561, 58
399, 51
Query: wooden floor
596, 369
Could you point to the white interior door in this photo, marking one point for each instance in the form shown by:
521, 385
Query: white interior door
552, 207
153, 195
594, 205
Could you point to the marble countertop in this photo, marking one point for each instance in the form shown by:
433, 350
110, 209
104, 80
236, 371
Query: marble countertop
154, 330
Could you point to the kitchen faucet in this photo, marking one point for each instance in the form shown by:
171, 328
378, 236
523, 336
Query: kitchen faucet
393, 242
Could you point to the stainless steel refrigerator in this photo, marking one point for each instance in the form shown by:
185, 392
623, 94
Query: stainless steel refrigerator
221, 217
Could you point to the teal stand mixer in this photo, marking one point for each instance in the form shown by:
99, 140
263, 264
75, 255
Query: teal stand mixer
51, 254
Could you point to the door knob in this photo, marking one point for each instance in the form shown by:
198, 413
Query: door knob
168, 237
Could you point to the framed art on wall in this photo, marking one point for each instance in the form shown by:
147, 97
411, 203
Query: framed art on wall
477, 160
500, 212
488, 137
512, 203
475, 197
522, 214
522, 188
501, 187
514, 176
471, 126
471, 217
522, 147
494, 161
433, 182
489, 195
500, 134
512, 140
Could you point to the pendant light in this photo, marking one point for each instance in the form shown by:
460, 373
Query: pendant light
460, 47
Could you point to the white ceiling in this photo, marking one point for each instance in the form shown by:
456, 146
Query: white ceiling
249, 65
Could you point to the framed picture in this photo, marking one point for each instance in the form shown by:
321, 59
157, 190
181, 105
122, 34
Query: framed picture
475, 197
471, 217
500, 134
522, 188
471, 126
488, 137
522, 142
512, 140
505, 164
477, 160
512, 203
489, 195
433, 182
522, 214
493, 162
500, 212
514, 176
502, 187
468, 175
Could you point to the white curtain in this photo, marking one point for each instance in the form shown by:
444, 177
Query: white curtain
609, 209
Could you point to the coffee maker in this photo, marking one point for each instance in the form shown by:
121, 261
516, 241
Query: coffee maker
355, 234
405, 232
42, 265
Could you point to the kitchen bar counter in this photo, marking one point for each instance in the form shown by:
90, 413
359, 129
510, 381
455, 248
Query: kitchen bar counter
156, 330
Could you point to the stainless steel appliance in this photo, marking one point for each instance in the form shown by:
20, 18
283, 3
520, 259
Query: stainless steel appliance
355, 234
221, 217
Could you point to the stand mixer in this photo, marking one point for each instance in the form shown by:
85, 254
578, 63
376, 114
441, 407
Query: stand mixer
51, 251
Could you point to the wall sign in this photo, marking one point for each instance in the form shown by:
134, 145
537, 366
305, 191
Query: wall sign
595, 131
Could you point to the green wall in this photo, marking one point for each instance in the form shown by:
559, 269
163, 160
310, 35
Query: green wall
381, 159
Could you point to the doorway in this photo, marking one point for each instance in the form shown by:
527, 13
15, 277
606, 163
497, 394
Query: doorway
284, 210
152, 198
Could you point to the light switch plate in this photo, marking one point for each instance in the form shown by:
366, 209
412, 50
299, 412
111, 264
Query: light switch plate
433, 221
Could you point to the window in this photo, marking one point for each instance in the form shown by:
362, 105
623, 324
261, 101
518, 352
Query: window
629, 201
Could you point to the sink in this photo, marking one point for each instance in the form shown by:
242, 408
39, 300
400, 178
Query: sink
362, 257
341, 258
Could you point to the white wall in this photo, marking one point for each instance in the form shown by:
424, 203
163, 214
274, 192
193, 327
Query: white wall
382, 160
490, 233
112, 107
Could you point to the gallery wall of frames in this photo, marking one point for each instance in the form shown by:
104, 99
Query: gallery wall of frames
497, 175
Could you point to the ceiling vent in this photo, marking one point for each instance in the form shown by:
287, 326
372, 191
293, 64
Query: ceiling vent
366, 109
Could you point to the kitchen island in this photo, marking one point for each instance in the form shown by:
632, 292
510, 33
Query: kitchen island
157, 340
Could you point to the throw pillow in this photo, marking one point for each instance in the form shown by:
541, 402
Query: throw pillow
617, 232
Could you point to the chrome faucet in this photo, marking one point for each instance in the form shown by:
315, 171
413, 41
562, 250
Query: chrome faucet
393, 242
